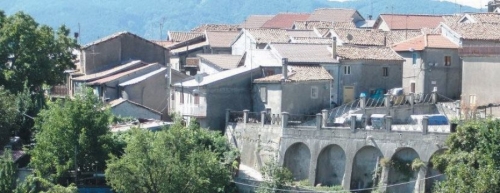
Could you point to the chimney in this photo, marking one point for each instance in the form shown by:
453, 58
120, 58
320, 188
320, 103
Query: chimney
369, 17
284, 63
334, 48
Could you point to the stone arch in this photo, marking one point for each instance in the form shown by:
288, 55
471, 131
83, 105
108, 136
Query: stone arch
297, 160
403, 174
364, 166
331, 166
432, 174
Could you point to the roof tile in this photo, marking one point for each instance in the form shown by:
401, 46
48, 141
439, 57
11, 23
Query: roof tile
285, 20
269, 35
405, 22
255, 21
222, 61
367, 53
333, 15
215, 27
299, 73
175, 36
221, 39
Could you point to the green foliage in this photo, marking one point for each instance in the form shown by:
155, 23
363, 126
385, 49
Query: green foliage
275, 177
8, 115
416, 164
34, 184
36, 53
71, 132
177, 159
472, 162
7, 172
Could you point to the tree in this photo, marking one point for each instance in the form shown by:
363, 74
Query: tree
71, 134
8, 112
34, 53
7, 172
472, 162
176, 159
276, 178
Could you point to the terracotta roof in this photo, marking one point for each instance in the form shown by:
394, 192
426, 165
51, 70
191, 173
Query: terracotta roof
255, 21
310, 25
189, 47
367, 53
221, 61
302, 33
299, 73
304, 53
119, 101
175, 36
477, 31
122, 74
221, 39
215, 27
361, 37
403, 21
425, 41
345, 25
485, 17
333, 15
452, 18
396, 36
269, 35
285, 20
311, 40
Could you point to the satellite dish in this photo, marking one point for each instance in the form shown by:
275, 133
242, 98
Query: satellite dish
349, 37
198, 78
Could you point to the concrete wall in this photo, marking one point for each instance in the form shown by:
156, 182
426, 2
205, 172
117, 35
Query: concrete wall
233, 93
118, 50
447, 79
242, 44
365, 75
127, 109
207, 68
297, 99
480, 78
273, 98
151, 92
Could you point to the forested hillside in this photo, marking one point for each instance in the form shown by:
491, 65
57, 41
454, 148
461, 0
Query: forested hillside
99, 18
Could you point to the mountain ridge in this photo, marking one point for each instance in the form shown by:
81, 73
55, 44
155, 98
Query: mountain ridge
98, 18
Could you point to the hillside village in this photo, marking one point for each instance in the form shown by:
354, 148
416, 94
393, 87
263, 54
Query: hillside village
327, 93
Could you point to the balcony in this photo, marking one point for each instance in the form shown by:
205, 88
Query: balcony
193, 110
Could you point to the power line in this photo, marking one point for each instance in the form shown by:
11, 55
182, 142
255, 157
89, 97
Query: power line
339, 191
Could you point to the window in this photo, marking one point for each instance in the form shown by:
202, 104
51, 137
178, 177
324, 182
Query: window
263, 93
447, 60
314, 92
414, 58
472, 100
385, 71
196, 99
347, 70
181, 98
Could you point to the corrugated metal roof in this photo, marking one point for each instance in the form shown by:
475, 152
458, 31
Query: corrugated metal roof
122, 74
115, 70
216, 77
143, 77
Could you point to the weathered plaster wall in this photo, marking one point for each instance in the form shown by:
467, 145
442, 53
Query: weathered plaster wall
273, 98
151, 92
297, 97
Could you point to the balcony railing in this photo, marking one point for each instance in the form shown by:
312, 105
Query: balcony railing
194, 110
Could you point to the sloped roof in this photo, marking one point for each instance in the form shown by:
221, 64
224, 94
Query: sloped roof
484, 17
112, 71
312, 40
119, 101
367, 53
333, 14
221, 61
345, 25
216, 77
143, 77
322, 31
269, 35
164, 43
255, 21
116, 35
189, 47
425, 41
177, 36
215, 27
221, 39
410, 21
452, 18
477, 31
122, 74
304, 53
285, 20
310, 25
396, 36
299, 73
302, 33
361, 36
177, 76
